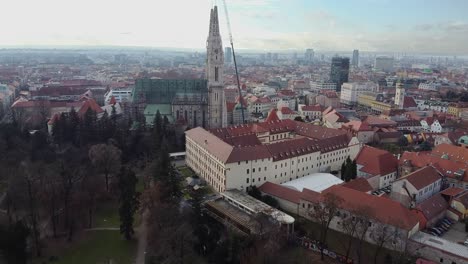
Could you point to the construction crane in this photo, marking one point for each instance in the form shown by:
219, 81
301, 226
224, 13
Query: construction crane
234, 57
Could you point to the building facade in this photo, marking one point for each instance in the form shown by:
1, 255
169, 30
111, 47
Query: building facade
249, 155
339, 72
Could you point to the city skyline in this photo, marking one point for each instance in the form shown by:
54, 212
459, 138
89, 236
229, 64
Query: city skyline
368, 25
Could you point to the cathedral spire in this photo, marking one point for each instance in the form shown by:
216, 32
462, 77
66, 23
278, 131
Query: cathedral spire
214, 23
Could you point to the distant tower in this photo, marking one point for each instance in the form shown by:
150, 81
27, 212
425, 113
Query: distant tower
400, 94
228, 55
217, 115
339, 72
355, 60
309, 55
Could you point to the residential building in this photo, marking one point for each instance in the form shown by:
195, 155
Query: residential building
319, 86
417, 186
339, 72
350, 91
384, 213
328, 99
122, 95
361, 130
311, 112
287, 113
278, 151
379, 167
456, 109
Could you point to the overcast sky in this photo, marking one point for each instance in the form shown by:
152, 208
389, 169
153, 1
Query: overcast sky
435, 26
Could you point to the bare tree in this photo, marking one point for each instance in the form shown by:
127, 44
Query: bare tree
323, 213
106, 158
364, 215
382, 234
355, 226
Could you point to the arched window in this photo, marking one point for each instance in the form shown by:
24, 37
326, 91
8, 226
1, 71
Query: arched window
216, 74
186, 119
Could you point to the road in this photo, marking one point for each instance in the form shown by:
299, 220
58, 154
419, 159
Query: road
142, 240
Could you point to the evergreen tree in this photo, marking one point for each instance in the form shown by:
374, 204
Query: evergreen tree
88, 127
14, 244
343, 171
129, 202
354, 169
157, 132
73, 126
166, 174
105, 127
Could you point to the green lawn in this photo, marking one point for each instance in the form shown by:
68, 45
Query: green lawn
107, 216
185, 171
98, 247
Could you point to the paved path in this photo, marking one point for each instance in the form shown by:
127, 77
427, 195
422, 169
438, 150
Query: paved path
142, 240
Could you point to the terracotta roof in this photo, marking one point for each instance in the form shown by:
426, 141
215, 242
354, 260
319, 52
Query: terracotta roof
316, 108
455, 153
280, 191
272, 116
211, 143
287, 111
292, 148
384, 210
376, 161
452, 191
112, 101
359, 184
433, 206
90, 104
357, 126
449, 168
463, 198
376, 121
422, 177
262, 100
409, 102
311, 196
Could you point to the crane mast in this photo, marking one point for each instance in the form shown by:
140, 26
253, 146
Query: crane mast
234, 57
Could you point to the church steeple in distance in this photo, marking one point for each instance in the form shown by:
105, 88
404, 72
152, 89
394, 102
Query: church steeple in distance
214, 73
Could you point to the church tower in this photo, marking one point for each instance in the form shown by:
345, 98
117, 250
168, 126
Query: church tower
217, 113
400, 94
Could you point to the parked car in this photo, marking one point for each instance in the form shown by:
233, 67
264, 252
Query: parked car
435, 230
448, 221
444, 225
433, 233
466, 242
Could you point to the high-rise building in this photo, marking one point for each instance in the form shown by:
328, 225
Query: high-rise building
228, 55
217, 113
309, 55
355, 60
384, 64
339, 72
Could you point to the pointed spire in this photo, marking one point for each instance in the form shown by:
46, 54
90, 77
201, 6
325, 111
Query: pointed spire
214, 23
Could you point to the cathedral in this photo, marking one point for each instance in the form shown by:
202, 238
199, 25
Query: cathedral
194, 102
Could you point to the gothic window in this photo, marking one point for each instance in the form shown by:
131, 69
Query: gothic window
195, 118
185, 115
216, 74
177, 114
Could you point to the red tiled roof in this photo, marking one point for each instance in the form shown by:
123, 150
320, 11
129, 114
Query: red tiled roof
272, 116
311, 196
112, 101
433, 206
376, 161
280, 191
90, 104
316, 108
452, 191
409, 102
384, 210
375, 121
357, 126
422, 177
463, 199
359, 184
455, 153
287, 111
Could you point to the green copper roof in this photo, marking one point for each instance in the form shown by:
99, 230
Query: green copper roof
163, 91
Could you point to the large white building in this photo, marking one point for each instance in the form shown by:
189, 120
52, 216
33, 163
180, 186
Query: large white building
318, 86
249, 155
120, 95
350, 91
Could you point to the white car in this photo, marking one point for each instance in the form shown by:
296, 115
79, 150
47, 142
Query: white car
466, 242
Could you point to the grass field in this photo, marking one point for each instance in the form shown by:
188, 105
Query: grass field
97, 247
185, 171
107, 216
